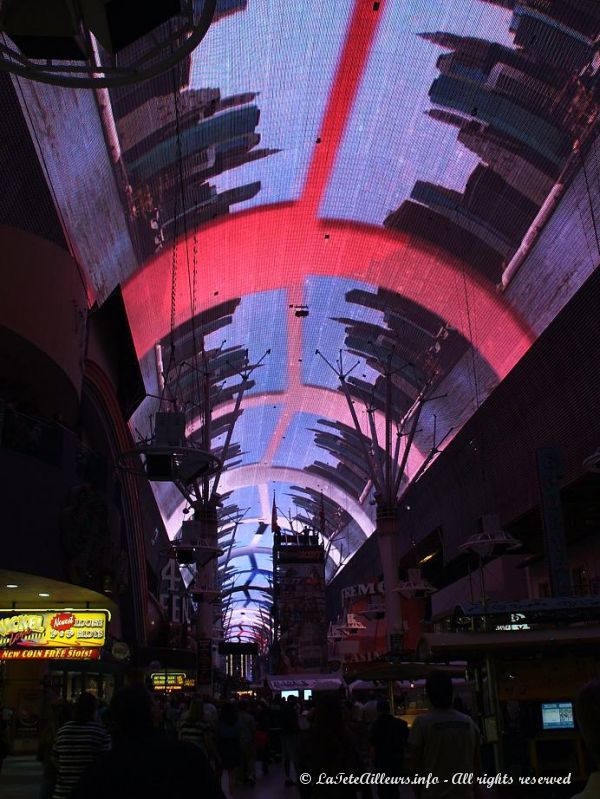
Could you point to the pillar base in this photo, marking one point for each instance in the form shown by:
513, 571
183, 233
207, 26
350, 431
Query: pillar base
387, 539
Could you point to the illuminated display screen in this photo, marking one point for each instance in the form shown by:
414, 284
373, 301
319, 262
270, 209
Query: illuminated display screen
557, 716
52, 634
376, 165
170, 681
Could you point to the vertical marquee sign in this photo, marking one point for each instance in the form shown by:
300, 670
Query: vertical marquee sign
302, 620
175, 603
52, 634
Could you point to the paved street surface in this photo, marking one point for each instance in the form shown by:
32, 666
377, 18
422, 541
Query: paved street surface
21, 776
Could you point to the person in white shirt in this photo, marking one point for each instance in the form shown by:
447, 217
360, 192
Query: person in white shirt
369, 710
443, 743
587, 712
211, 713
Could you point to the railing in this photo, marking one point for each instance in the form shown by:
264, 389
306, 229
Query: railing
51, 443
29, 435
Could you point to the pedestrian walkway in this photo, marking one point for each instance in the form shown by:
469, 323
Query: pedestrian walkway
20, 778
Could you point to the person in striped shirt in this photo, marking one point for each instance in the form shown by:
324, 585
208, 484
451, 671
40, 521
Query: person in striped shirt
77, 744
193, 728
143, 762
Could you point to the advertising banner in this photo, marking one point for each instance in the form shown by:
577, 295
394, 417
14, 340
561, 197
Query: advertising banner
303, 628
52, 634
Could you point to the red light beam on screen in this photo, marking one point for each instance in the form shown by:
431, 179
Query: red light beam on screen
247, 250
349, 72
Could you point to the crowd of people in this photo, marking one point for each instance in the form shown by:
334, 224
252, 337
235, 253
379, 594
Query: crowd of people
130, 748
149, 745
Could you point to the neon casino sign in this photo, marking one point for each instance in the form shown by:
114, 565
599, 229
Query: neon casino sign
52, 634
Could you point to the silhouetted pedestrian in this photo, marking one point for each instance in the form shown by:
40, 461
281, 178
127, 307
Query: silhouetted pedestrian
144, 763
290, 731
387, 742
77, 744
329, 748
229, 743
444, 742
587, 711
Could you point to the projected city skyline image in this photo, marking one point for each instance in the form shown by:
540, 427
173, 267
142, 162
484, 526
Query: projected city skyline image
353, 177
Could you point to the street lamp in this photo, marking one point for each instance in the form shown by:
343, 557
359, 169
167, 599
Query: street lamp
491, 539
415, 586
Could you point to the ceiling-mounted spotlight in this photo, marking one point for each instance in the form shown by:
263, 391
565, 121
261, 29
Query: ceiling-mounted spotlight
168, 456
185, 557
195, 546
300, 311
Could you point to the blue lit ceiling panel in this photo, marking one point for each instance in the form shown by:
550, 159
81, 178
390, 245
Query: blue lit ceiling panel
296, 449
390, 141
253, 324
238, 56
249, 533
254, 428
323, 297
248, 497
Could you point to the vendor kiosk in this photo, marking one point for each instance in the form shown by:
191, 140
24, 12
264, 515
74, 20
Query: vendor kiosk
527, 674
404, 684
303, 685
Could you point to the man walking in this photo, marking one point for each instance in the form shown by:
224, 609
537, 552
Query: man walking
290, 732
443, 743
587, 710
77, 744
387, 745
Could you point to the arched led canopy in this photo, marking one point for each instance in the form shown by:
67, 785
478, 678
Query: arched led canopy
355, 179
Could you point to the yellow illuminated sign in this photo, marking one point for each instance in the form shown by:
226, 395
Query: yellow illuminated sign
52, 633
168, 681
51, 653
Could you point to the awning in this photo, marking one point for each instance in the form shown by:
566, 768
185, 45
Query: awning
365, 685
299, 682
56, 593
574, 608
450, 645
374, 685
